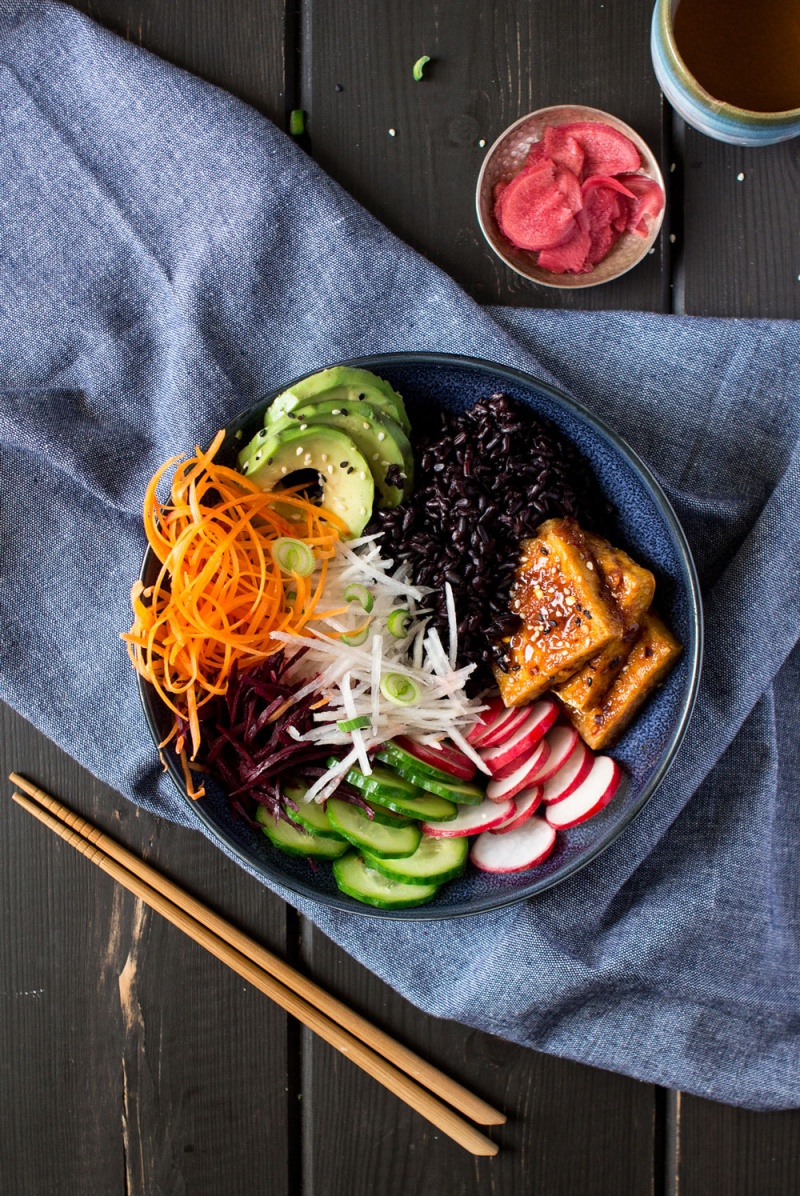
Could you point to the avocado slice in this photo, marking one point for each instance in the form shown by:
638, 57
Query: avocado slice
380, 440
345, 383
347, 486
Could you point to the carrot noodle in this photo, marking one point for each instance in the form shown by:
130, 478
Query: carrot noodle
219, 594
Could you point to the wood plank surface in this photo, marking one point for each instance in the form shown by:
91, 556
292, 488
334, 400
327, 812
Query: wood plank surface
130, 1060
735, 1152
571, 1129
488, 67
740, 249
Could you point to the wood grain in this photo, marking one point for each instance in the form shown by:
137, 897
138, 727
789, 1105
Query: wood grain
735, 1152
128, 1055
488, 66
740, 253
571, 1128
241, 46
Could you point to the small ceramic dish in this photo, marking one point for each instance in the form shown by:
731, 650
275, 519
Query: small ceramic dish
504, 161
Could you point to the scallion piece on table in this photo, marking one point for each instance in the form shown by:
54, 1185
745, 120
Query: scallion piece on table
400, 690
419, 66
360, 594
354, 724
398, 622
293, 556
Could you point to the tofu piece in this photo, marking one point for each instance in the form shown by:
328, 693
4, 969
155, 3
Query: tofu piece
567, 611
651, 658
632, 587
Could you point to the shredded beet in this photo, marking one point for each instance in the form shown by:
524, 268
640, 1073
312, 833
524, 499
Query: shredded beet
249, 747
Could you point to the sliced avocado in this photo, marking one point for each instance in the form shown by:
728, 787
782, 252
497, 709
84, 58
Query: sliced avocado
380, 440
347, 486
345, 383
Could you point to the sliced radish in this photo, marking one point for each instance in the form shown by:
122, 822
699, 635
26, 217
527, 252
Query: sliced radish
487, 721
523, 848
446, 757
537, 722
501, 788
562, 740
571, 774
470, 820
591, 796
526, 803
507, 723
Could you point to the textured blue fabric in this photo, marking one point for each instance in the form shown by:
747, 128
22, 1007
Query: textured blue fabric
167, 256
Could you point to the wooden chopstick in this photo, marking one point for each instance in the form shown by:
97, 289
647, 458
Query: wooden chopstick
376, 1052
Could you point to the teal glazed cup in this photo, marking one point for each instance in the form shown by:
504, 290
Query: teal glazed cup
723, 122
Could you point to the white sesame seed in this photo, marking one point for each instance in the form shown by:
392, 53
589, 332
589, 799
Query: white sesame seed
375, 456
362, 475
740, 177
363, 510
392, 133
336, 412
303, 427
324, 458
482, 142
381, 436
284, 469
330, 469
385, 464
672, 238
299, 452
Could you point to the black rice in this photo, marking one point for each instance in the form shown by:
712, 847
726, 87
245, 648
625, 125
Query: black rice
486, 479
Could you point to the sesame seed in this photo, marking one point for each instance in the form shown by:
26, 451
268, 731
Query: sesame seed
375, 456
303, 427
299, 452
284, 469
381, 436
330, 469
324, 458
362, 475
365, 425
392, 133
363, 510
258, 455
589, 565
570, 601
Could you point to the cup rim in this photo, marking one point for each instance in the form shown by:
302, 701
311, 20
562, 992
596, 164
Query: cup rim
699, 93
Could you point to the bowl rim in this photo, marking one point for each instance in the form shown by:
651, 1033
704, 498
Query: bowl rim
598, 116
694, 653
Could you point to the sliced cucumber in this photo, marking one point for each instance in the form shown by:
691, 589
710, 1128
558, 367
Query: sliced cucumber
388, 789
462, 792
434, 862
388, 817
294, 840
399, 757
310, 814
374, 837
354, 877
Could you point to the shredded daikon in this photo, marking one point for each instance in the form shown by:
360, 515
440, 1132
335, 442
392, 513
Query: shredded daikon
349, 676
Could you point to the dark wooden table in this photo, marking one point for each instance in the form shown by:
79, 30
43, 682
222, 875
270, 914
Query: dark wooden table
130, 1061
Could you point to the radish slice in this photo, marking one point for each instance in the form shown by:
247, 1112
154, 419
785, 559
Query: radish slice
526, 803
590, 797
523, 848
537, 722
571, 774
507, 723
470, 820
446, 757
562, 740
502, 788
487, 721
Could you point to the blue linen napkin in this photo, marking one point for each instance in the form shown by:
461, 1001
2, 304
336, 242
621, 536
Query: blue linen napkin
167, 256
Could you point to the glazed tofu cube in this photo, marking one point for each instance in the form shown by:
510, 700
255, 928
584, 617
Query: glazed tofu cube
651, 658
568, 613
632, 587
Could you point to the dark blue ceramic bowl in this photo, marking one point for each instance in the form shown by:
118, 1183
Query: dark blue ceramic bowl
645, 526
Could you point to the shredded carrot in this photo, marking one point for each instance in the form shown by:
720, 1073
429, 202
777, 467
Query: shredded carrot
219, 594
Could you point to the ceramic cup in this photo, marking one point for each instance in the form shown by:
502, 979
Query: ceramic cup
723, 122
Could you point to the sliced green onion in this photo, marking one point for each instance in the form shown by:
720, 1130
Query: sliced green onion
398, 623
356, 638
399, 690
361, 595
419, 66
293, 556
297, 122
355, 724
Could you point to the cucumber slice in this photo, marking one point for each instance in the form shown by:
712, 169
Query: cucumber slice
388, 817
377, 838
388, 789
354, 877
434, 862
294, 840
399, 757
462, 792
311, 815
